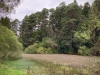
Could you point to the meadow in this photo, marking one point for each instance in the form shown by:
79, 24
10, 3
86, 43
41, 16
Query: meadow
45, 64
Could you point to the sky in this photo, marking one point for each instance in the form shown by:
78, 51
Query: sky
28, 7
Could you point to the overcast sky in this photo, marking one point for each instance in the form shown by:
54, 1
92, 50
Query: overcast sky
28, 7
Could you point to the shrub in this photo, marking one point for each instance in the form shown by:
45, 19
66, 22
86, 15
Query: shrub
32, 49
9, 44
96, 48
44, 47
43, 50
49, 42
48, 46
83, 50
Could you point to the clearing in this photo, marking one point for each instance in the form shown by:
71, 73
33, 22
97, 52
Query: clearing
70, 60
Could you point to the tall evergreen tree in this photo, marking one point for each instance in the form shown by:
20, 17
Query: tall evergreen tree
86, 9
24, 31
44, 22
51, 22
70, 24
15, 26
6, 22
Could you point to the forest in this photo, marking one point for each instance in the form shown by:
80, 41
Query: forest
71, 29
66, 29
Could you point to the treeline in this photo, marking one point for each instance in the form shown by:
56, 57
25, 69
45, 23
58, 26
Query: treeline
72, 28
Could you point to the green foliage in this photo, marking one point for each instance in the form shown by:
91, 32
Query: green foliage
9, 44
32, 49
43, 50
80, 38
15, 26
95, 27
47, 46
5, 22
96, 48
48, 42
29, 32
8, 6
71, 26
83, 50
86, 9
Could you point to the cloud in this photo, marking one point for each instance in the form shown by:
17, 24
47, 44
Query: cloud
28, 7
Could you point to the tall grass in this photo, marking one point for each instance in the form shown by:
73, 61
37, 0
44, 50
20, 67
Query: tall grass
39, 67
56, 69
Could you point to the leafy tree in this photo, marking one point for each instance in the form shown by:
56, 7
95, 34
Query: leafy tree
7, 6
95, 26
9, 44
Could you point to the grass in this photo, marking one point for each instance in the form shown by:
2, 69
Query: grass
5, 70
18, 67
49, 68
21, 64
39, 67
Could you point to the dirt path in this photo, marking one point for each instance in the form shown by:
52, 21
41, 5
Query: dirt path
72, 60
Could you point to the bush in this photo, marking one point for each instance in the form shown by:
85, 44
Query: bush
9, 44
44, 47
96, 48
43, 50
32, 49
50, 42
83, 50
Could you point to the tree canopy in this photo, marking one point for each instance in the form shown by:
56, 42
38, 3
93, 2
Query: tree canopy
8, 6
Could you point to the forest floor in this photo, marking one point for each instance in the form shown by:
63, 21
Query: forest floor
64, 59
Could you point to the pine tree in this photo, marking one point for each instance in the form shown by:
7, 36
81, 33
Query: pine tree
6, 22
70, 24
